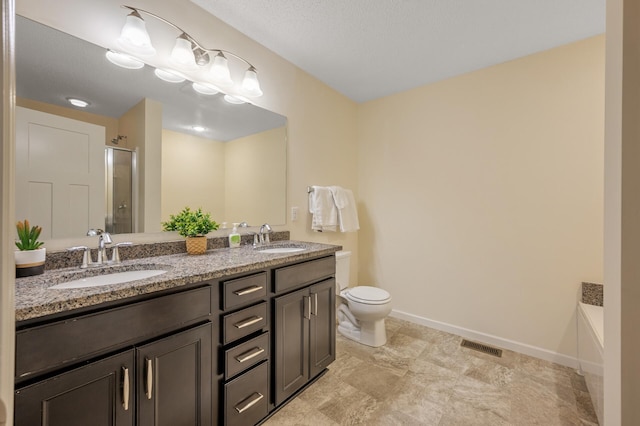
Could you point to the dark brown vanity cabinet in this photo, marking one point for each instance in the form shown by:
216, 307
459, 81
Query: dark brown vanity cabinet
304, 325
160, 374
173, 384
94, 394
245, 342
229, 351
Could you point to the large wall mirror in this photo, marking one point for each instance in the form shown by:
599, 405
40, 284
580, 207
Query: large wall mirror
166, 144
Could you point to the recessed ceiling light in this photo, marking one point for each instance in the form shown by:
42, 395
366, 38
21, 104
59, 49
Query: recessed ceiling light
78, 102
199, 128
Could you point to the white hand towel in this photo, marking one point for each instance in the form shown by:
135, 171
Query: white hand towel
347, 211
323, 209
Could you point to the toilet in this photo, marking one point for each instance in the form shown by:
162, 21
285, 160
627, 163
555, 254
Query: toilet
364, 308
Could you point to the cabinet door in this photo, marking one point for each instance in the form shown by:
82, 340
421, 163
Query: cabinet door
99, 394
322, 339
291, 350
174, 379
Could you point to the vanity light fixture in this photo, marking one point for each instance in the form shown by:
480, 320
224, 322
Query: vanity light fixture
205, 89
220, 70
234, 100
250, 83
187, 53
134, 36
124, 60
182, 54
78, 102
169, 76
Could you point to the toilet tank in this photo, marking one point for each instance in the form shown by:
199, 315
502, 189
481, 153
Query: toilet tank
342, 269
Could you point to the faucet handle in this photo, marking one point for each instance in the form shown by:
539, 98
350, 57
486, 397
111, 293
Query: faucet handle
86, 256
256, 238
115, 254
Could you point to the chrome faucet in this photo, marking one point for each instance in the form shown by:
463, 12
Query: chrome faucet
265, 230
104, 238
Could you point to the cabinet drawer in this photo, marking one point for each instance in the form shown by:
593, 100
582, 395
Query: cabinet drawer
246, 397
304, 273
244, 322
245, 355
244, 290
42, 348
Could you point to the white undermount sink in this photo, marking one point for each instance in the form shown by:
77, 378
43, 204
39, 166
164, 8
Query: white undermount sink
109, 279
280, 250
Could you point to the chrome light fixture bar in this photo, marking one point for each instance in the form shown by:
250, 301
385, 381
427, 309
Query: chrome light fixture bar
187, 53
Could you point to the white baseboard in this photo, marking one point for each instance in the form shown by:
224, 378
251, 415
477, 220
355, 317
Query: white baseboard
489, 339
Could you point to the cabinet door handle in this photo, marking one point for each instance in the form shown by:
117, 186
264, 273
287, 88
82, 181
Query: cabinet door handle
248, 322
125, 388
149, 381
248, 290
307, 307
315, 304
249, 354
252, 400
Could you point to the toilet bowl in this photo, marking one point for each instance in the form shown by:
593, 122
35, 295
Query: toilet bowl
364, 308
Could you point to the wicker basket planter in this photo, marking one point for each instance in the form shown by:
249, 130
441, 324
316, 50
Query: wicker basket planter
196, 245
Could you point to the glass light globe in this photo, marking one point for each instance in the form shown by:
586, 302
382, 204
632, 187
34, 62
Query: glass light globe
134, 36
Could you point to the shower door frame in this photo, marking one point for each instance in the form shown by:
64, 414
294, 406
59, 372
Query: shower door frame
108, 187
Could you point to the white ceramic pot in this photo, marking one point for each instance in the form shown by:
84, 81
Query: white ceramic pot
30, 262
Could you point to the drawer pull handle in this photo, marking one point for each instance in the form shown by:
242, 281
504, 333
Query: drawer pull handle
149, 381
253, 400
249, 354
248, 322
248, 290
125, 388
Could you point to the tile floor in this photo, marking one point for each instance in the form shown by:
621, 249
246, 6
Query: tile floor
423, 377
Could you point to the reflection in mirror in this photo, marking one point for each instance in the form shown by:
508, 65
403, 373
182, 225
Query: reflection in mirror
183, 148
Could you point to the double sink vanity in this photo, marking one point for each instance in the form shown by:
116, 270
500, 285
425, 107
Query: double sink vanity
227, 337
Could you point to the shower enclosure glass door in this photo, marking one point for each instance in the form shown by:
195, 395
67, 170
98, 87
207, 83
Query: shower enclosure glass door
120, 168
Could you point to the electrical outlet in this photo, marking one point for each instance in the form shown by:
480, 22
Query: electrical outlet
294, 214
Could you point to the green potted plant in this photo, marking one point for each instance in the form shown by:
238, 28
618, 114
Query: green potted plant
194, 225
30, 255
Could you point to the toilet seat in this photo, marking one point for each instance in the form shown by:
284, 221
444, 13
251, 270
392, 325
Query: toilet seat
368, 295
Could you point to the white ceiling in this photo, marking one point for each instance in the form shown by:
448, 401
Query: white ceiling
368, 49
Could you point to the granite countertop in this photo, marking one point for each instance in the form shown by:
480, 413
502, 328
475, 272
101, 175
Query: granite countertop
34, 298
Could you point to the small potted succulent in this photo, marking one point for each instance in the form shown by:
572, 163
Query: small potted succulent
194, 225
30, 255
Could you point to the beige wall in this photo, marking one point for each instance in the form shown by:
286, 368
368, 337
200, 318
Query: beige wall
482, 195
255, 175
143, 126
192, 174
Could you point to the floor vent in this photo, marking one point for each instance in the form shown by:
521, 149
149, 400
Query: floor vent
481, 348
